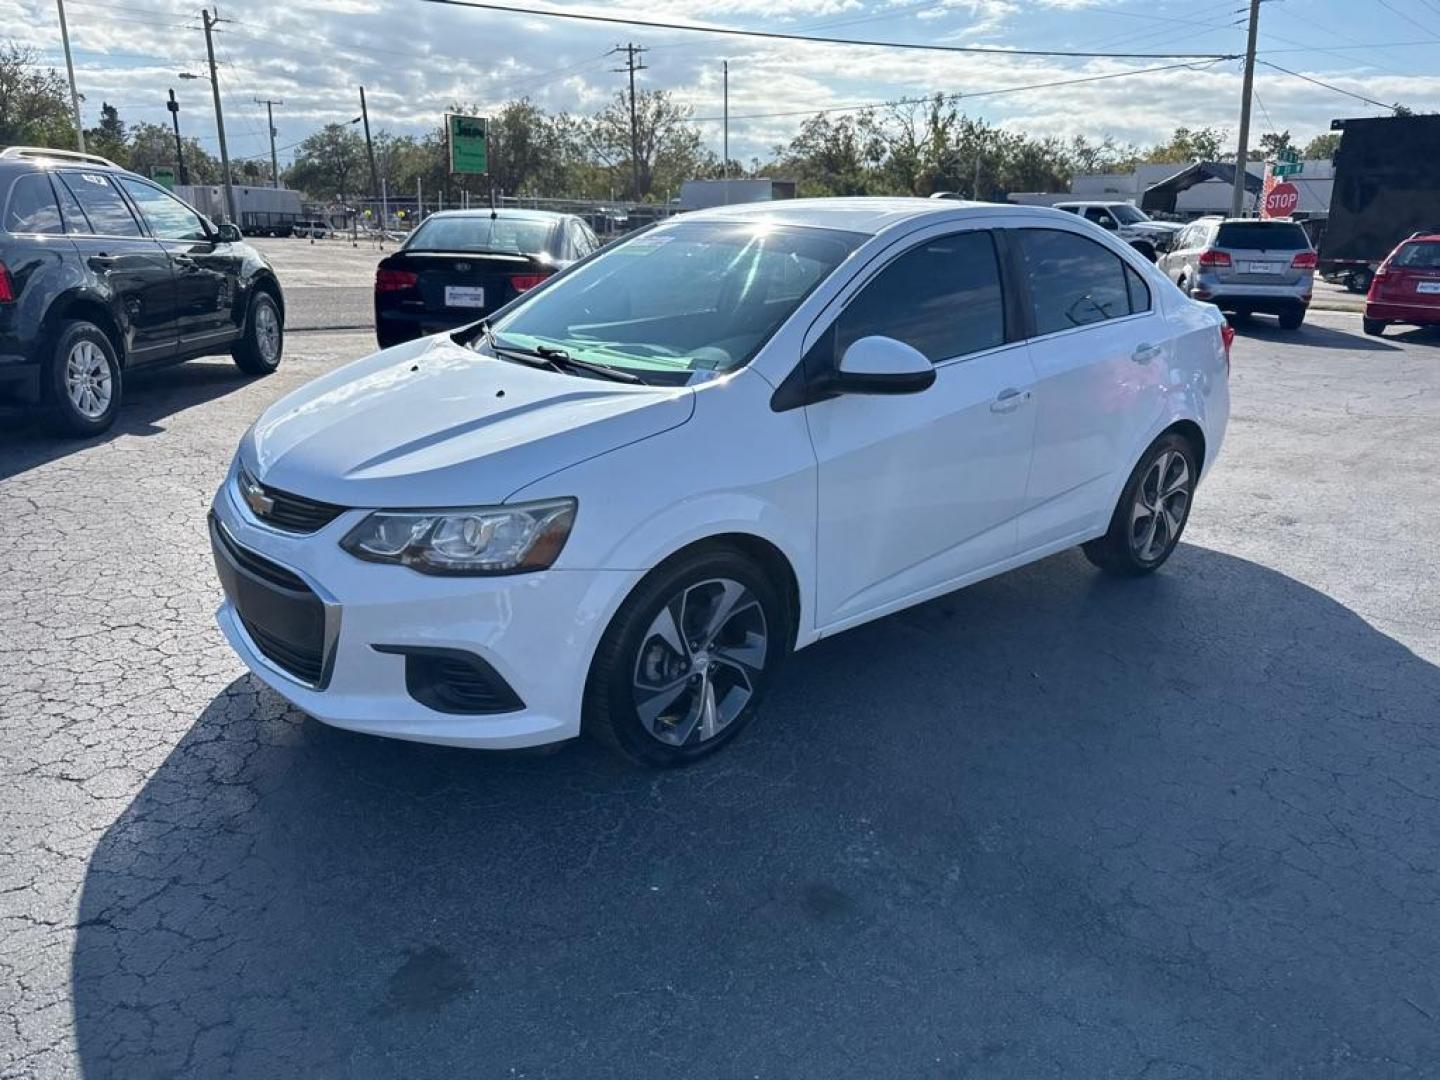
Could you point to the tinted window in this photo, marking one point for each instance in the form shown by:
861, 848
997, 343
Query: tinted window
943, 298
1138, 290
507, 235
1262, 236
168, 217
32, 207
1073, 280
1098, 215
75, 221
108, 214
1422, 255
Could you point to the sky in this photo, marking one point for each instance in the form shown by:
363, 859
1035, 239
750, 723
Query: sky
415, 58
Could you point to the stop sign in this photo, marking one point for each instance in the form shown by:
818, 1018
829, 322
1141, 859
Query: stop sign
1282, 200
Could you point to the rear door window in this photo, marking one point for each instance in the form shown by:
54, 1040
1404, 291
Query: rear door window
32, 208
107, 211
943, 298
1262, 236
1421, 255
1073, 281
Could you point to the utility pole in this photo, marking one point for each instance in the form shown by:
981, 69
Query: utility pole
174, 107
270, 118
632, 65
725, 68
1237, 197
210, 22
70, 70
369, 146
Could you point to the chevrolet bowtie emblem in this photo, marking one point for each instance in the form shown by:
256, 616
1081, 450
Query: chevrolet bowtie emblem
260, 504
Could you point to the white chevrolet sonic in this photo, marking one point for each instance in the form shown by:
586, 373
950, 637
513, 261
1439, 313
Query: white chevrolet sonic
618, 503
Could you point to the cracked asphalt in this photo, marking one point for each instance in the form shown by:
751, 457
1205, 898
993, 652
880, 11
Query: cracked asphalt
1050, 826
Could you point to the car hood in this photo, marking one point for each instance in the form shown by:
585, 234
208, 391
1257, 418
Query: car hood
430, 423
1163, 228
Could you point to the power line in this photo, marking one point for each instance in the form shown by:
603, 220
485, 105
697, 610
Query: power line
1329, 86
771, 35
960, 96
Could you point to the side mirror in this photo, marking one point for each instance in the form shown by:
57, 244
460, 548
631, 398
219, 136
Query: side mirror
227, 232
882, 365
1109, 223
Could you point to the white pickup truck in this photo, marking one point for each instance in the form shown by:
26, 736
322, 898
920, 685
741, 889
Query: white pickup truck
1128, 222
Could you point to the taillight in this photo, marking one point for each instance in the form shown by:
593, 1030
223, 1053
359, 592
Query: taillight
1211, 257
1305, 260
7, 287
1227, 338
526, 282
394, 280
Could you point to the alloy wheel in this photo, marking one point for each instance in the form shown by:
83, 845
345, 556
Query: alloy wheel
267, 332
1161, 504
700, 661
87, 380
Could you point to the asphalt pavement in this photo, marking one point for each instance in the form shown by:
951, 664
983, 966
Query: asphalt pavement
1053, 825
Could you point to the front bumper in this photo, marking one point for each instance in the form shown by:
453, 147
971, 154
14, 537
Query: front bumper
537, 631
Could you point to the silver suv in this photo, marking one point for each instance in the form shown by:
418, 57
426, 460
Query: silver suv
1244, 265
1128, 222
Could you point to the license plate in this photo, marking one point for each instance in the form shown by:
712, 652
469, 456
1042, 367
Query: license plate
1431, 287
464, 296
1263, 268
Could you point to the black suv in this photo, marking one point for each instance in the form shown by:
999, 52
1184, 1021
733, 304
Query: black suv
102, 273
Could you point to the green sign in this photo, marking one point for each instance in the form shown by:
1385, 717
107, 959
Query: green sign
1288, 168
164, 176
468, 138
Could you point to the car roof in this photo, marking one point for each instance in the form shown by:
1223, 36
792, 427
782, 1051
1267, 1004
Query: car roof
871, 215
514, 213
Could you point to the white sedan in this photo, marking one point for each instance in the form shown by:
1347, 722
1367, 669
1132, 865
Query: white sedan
618, 505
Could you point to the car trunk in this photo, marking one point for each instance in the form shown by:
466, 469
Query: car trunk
1262, 253
456, 287
1417, 284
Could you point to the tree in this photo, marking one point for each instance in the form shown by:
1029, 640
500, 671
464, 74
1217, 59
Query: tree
331, 163
1185, 146
34, 102
108, 140
153, 145
1272, 144
1322, 147
834, 157
669, 146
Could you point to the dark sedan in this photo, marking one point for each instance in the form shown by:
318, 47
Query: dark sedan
460, 265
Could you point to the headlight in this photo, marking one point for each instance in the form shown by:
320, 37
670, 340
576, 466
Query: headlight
476, 540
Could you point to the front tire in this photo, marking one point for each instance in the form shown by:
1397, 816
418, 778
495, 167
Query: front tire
1150, 517
258, 351
687, 659
82, 380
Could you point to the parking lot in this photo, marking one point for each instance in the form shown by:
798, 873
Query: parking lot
1053, 825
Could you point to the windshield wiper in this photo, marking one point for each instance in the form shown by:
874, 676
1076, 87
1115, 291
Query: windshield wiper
560, 360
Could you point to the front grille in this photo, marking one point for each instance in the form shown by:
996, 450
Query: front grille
293, 513
454, 681
284, 618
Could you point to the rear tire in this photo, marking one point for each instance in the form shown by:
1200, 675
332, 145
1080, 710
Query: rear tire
258, 351
82, 380
1291, 320
1373, 327
686, 661
1150, 517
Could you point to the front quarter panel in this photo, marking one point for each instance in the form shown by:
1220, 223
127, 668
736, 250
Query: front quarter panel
735, 467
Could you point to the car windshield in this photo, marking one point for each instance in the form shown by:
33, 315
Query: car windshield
1262, 236
508, 235
686, 297
1128, 215
1419, 255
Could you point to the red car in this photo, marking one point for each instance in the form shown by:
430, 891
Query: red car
1406, 288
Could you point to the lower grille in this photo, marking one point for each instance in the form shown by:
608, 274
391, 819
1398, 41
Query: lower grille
286, 621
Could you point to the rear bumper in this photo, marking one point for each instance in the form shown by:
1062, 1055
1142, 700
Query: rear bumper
394, 325
1389, 311
1267, 299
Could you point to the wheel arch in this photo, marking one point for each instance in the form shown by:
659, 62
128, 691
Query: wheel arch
266, 282
1192, 433
91, 309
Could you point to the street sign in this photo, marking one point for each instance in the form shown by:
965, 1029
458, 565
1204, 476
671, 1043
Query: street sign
1282, 200
468, 138
1292, 168
164, 176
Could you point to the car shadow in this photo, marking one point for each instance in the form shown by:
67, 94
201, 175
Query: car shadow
1051, 825
1261, 328
150, 398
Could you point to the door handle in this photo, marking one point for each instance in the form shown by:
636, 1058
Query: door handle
182, 260
1008, 400
103, 260
1145, 352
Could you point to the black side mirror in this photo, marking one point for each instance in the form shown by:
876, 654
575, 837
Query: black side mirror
227, 232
